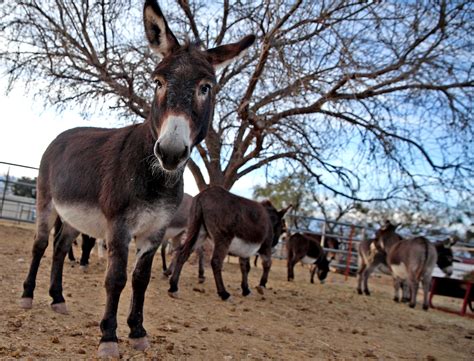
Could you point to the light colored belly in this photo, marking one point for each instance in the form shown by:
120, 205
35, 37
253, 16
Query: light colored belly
239, 247
172, 232
400, 271
86, 219
308, 260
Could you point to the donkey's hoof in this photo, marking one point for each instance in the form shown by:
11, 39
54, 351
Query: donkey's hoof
359, 292
260, 289
367, 292
173, 294
26, 303
246, 292
396, 299
425, 307
202, 279
412, 305
140, 344
108, 349
224, 295
84, 268
60, 308
167, 273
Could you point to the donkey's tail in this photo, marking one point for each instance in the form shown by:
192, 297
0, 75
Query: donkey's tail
195, 224
422, 269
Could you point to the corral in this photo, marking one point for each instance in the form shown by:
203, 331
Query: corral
291, 321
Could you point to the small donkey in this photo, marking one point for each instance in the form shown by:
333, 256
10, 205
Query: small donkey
306, 247
120, 184
237, 226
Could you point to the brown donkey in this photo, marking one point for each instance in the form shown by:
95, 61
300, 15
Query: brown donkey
411, 261
126, 183
237, 226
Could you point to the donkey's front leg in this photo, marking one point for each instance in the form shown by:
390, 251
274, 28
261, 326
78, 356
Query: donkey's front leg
312, 272
266, 264
118, 240
426, 281
245, 268
202, 259
146, 250
396, 288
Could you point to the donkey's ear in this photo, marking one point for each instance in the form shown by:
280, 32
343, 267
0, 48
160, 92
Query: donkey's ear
282, 212
223, 55
162, 40
449, 242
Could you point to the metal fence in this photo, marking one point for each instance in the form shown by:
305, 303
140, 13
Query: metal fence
23, 209
349, 236
15, 207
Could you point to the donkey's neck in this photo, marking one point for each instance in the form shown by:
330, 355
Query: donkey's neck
391, 241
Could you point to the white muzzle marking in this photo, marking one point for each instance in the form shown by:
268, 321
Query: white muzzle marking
174, 142
175, 131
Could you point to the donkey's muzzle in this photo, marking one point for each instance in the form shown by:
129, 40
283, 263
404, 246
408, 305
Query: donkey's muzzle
171, 156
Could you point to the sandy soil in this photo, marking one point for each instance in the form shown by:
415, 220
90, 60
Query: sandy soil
292, 321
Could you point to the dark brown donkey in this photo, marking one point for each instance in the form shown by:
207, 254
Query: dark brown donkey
126, 183
411, 261
237, 226
306, 247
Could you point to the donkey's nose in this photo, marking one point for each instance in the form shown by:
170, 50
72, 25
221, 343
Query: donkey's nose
171, 155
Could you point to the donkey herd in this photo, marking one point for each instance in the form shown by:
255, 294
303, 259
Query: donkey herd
127, 183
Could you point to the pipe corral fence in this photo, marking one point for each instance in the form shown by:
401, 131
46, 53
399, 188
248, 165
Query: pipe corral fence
16, 207
348, 235
23, 209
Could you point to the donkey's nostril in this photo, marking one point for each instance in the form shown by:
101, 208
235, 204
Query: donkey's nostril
185, 152
158, 150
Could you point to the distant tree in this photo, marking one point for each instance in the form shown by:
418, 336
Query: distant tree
307, 197
25, 187
373, 99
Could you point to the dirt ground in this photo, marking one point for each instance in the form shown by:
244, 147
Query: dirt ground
292, 321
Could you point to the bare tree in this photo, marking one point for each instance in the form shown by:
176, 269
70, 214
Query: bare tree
373, 99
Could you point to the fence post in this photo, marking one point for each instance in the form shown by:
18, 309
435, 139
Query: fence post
5, 191
323, 233
349, 253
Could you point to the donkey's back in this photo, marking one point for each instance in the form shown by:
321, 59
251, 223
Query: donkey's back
414, 259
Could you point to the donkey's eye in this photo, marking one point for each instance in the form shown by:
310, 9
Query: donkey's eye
205, 89
158, 83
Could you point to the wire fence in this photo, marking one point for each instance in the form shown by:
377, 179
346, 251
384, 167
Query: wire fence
17, 202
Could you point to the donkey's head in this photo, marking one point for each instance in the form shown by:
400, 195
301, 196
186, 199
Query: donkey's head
184, 96
323, 267
386, 236
445, 255
277, 220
